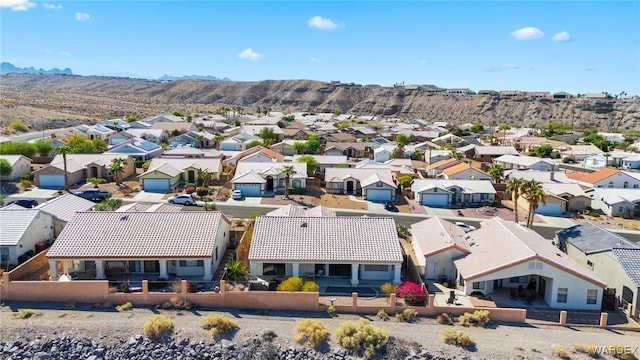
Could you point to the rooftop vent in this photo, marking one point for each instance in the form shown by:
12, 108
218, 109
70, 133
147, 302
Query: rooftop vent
304, 224
124, 218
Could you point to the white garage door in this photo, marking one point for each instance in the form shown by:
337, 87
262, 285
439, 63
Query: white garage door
435, 199
51, 181
248, 189
156, 185
549, 209
378, 195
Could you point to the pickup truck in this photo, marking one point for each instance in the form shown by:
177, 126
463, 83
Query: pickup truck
94, 194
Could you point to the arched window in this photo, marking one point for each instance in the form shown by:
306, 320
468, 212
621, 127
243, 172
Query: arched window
626, 185
610, 185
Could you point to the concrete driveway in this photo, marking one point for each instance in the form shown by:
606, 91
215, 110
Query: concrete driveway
144, 196
439, 211
35, 193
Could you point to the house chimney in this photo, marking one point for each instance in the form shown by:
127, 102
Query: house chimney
552, 175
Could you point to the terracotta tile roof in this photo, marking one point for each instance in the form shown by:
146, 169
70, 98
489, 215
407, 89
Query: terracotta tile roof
435, 235
594, 177
462, 167
260, 149
138, 235
445, 162
325, 239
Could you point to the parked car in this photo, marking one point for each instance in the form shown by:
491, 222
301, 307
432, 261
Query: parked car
24, 202
465, 227
183, 199
236, 195
390, 206
94, 194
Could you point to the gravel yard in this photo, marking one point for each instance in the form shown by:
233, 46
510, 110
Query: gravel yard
499, 341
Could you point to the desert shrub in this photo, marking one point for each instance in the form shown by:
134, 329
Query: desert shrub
293, 283
28, 176
407, 315
268, 335
218, 324
361, 337
310, 286
588, 349
158, 326
189, 188
412, 293
382, 315
24, 314
331, 310
559, 351
18, 126
457, 338
202, 191
25, 184
239, 222
176, 286
389, 288
69, 306
175, 303
311, 332
478, 318
621, 352
124, 307
444, 319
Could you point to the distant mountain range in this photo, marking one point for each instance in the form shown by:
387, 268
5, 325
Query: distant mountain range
192, 77
7, 68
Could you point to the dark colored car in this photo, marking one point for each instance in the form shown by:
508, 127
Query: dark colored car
390, 206
25, 202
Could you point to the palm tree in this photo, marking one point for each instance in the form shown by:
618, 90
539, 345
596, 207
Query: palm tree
287, 171
95, 181
64, 150
514, 186
218, 138
532, 191
496, 172
236, 270
117, 167
200, 140
204, 176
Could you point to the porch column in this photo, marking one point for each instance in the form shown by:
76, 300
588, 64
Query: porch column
53, 269
208, 274
100, 270
253, 269
163, 269
354, 274
68, 266
397, 273
296, 269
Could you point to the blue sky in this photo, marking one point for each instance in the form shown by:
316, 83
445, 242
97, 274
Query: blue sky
579, 47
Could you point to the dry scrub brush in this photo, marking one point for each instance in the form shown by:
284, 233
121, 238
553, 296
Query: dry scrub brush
457, 338
219, 324
312, 332
158, 326
24, 314
362, 338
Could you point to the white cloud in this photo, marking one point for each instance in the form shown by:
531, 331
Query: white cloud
64, 53
314, 59
561, 37
527, 33
248, 53
501, 67
82, 16
321, 23
51, 6
17, 5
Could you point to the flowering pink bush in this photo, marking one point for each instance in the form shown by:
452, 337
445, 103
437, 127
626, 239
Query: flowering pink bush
189, 189
412, 293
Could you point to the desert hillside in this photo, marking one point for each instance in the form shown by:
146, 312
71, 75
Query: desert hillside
59, 100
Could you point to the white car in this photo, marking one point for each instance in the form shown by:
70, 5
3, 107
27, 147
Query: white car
184, 199
236, 195
465, 227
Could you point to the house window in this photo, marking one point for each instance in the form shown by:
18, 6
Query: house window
518, 280
191, 263
484, 196
376, 268
216, 253
592, 296
273, 269
635, 186
478, 285
590, 264
620, 208
297, 184
4, 255
562, 295
610, 185
379, 184
625, 185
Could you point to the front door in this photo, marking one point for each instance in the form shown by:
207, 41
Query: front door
349, 187
497, 284
542, 287
269, 183
191, 176
431, 270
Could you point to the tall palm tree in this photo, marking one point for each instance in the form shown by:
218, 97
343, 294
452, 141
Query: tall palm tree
218, 138
514, 186
200, 140
532, 191
287, 171
496, 172
117, 167
64, 150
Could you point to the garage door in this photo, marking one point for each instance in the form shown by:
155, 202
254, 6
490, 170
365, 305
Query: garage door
51, 181
435, 199
378, 195
248, 189
156, 185
549, 209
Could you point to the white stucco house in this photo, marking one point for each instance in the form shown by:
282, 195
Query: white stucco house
373, 184
259, 178
21, 230
445, 193
20, 165
615, 202
607, 178
509, 162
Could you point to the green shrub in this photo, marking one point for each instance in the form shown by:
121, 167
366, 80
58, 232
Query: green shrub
28, 176
361, 337
158, 326
407, 315
389, 288
331, 310
559, 351
310, 286
25, 184
24, 314
219, 324
210, 207
124, 307
293, 283
444, 319
18, 126
202, 191
478, 318
311, 332
457, 338
382, 315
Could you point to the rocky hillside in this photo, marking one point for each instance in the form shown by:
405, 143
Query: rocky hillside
66, 100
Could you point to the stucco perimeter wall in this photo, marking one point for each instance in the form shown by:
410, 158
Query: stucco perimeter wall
29, 267
59, 291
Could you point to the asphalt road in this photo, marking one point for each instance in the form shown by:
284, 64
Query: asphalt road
37, 135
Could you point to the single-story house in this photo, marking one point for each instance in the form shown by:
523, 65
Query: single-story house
560, 199
116, 124
577, 152
505, 254
138, 148
615, 202
166, 118
172, 127
22, 229
558, 177
197, 139
286, 147
299, 211
358, 248
450, 139
93, 131
156, 136
258, 178
465, 171
238, 142
266, 155
255, 130
436, 168
20, 165
488, 153
350, 150
339, 137
325, 161
509, 162
154, 244
610, 257
363, 131
80, 167
607, 178
164, 174
191, 152
372, 184
625, 160
436, 243
445, 193
62, 209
